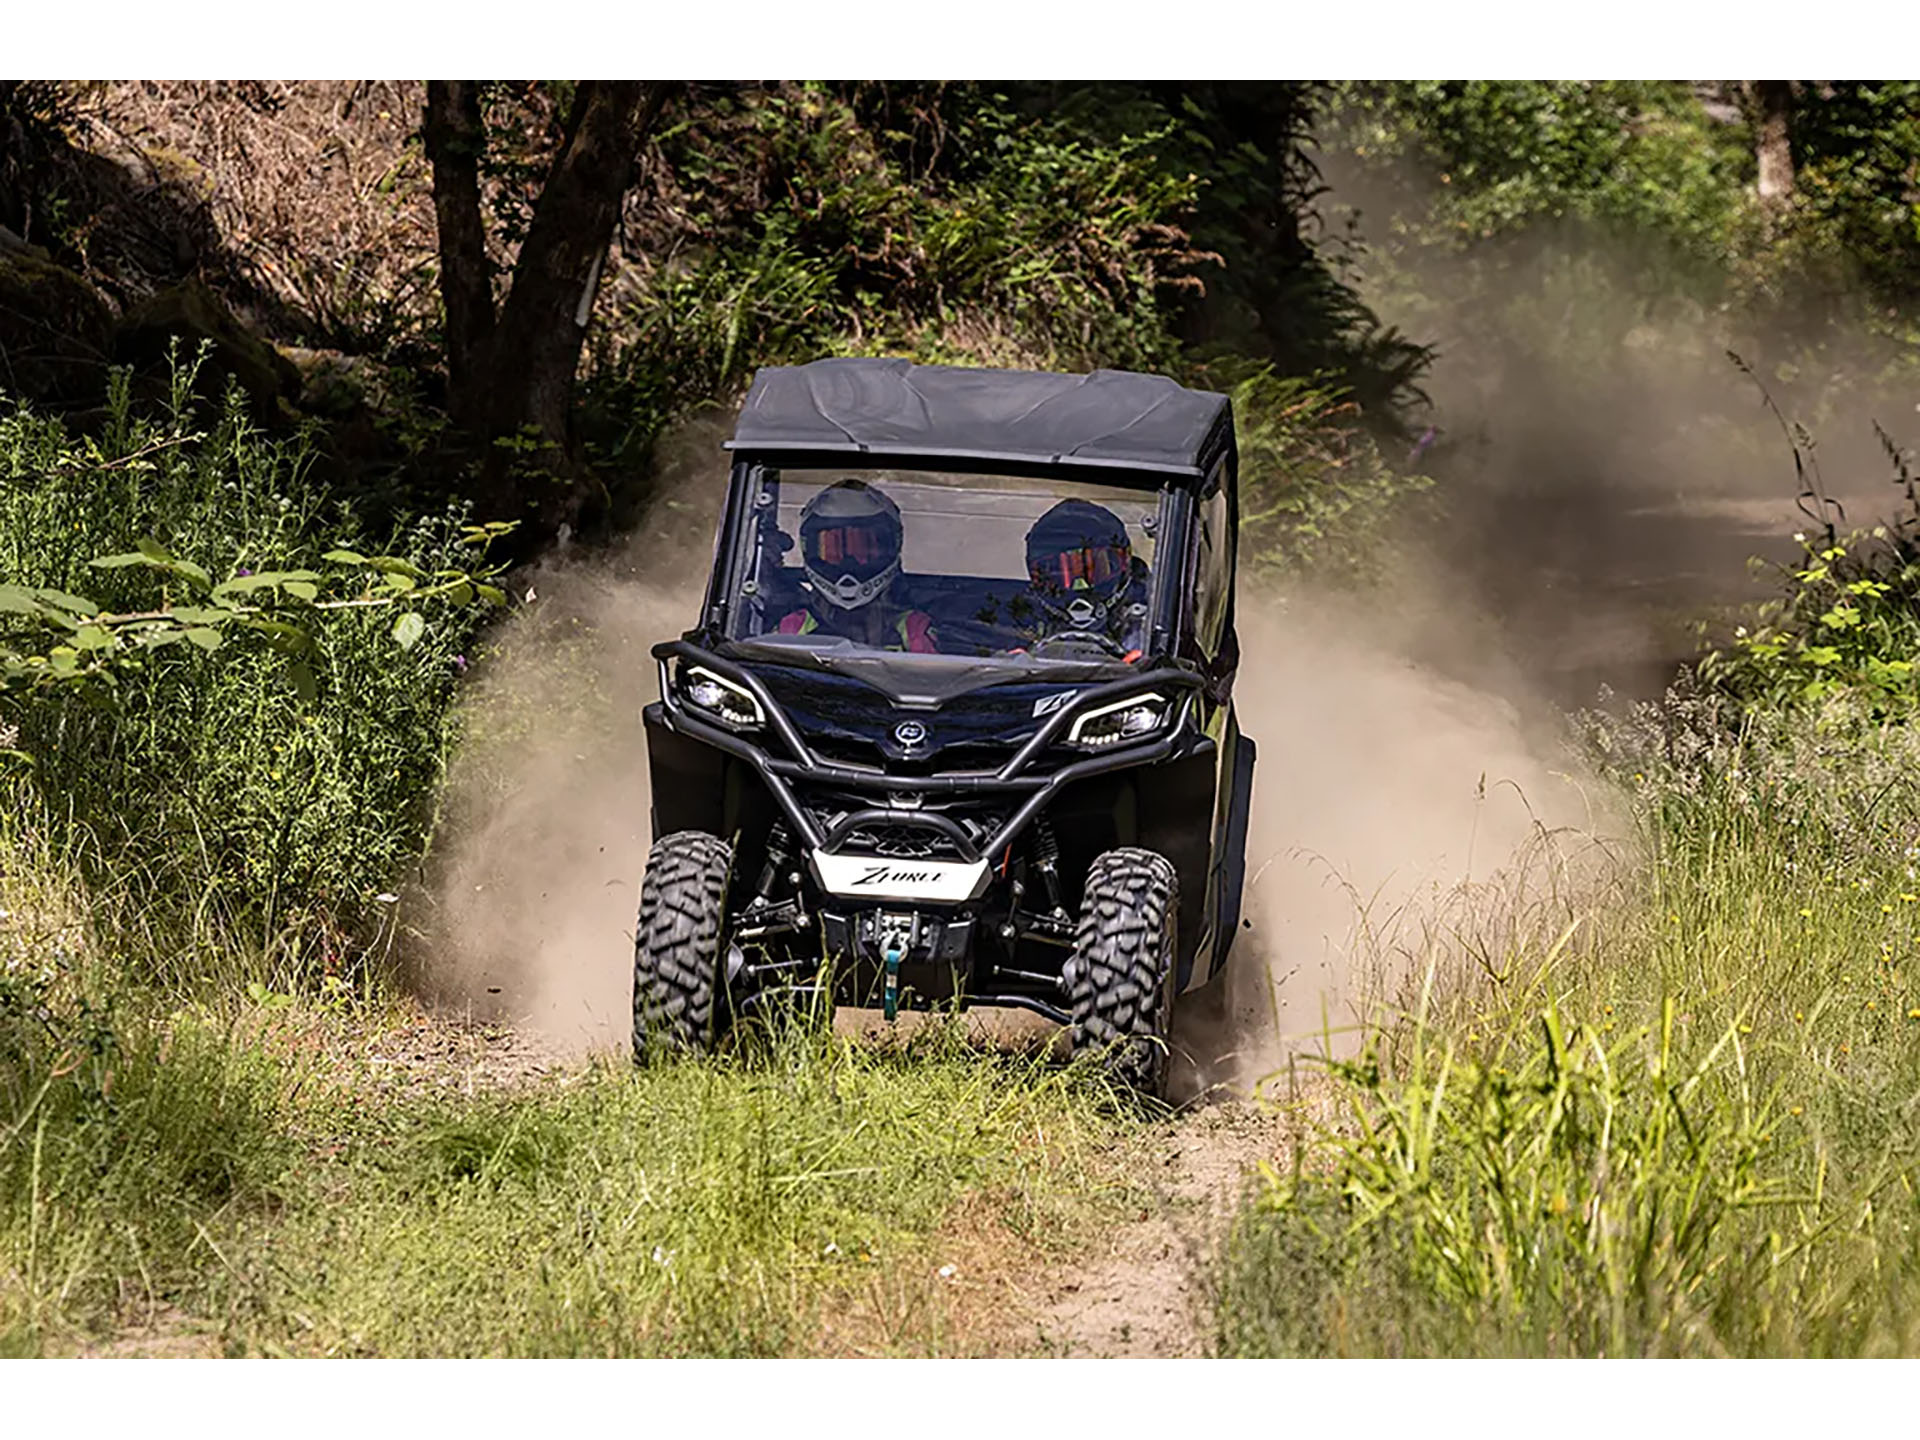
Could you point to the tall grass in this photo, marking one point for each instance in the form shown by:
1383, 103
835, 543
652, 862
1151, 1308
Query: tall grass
192, 1182
225, 807
1683, 1125
126, 1135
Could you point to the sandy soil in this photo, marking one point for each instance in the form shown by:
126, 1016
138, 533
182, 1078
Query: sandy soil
1141, 1291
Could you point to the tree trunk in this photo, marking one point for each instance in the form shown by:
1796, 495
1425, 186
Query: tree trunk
544, 322
455, 140
510, 371
1773, 100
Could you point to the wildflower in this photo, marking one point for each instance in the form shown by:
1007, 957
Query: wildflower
949, 1272
1806, 914
459, 663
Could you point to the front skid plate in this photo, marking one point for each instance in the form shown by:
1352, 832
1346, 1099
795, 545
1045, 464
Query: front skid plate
867, 877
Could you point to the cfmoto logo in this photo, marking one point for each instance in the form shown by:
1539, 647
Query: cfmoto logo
910, 733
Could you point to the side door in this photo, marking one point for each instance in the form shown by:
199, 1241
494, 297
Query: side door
1213, 637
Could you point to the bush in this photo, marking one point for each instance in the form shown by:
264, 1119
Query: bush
269, 774
795, 221
1316, 494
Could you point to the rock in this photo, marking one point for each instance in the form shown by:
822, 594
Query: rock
192, 313
332, 383
55, 330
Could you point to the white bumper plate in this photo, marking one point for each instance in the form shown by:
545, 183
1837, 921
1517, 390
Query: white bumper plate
865, 877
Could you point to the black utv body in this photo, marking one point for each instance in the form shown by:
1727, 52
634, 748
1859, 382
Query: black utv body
1018, 781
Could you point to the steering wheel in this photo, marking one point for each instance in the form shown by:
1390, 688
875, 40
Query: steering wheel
1105, 643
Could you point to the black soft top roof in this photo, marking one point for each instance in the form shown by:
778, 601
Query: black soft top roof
898, 409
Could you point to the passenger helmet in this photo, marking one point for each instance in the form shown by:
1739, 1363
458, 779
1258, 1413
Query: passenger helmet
850, 543
1080, 559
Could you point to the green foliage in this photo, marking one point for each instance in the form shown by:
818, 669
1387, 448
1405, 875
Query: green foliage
1315, 492
1849, 623
793, 221
88, 643
1507, 155
1856, 216
1475, 195
244, 706
122, 1142
798, 1199
1679, 1126
722, 1208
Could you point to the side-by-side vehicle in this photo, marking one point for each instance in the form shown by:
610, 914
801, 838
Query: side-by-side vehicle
955, 725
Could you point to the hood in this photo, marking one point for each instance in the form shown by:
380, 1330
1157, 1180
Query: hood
996, 710
922, 682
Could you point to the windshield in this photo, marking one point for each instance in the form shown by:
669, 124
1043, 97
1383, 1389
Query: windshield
915, 562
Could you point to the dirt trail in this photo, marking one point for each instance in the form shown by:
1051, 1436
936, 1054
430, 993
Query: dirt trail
1141, 1292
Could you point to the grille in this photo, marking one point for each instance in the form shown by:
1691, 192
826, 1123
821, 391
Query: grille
899, 842
902, 838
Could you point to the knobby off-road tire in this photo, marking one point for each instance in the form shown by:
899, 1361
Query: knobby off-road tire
677, 944
1120, 977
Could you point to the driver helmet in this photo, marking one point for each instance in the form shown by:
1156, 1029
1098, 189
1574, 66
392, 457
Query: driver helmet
1080, 559
850, 543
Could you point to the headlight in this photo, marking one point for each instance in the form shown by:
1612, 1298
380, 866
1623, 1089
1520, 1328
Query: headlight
720, 699
1124, 720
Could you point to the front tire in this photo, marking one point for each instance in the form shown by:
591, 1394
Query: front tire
1120, 977
677, 946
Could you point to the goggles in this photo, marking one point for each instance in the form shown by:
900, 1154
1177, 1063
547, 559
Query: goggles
859, 545
1085, 567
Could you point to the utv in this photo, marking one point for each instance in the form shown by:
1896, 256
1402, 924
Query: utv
956, 724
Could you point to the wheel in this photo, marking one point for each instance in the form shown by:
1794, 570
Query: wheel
1120, 977
677, 945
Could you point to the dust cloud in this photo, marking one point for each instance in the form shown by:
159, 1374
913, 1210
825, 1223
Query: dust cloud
1607, 469
534, 877
1606, 475
1394, 777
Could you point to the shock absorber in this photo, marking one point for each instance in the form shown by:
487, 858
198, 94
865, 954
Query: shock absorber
779, 858
1046, 860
